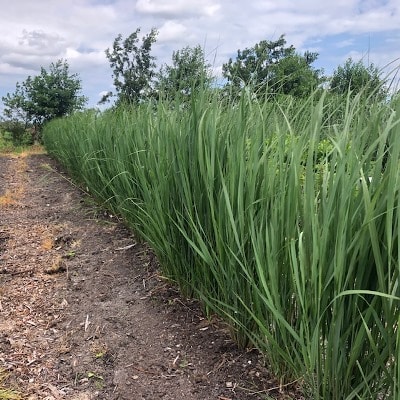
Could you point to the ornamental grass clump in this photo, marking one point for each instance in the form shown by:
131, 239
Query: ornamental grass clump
278, 215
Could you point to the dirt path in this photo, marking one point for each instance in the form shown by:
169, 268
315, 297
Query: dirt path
84, 313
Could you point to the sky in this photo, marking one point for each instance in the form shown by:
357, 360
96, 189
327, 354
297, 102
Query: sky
33, 34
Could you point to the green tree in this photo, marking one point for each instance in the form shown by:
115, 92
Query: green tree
356, 77
14, 103
52, 94
294, 75
188, 72
133, 66
272, 67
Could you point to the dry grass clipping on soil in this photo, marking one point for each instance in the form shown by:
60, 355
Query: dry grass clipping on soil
11, 197
7, 394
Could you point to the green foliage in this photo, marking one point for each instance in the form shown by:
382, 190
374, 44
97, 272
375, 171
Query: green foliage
284, 223
133, 66
355, 77
52, 94
270, 67
16, 133
294, 75
253, 65
189, 72
15, 104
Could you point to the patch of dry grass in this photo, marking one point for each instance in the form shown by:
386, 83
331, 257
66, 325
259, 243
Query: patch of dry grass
12, 196
6, 393
13, 150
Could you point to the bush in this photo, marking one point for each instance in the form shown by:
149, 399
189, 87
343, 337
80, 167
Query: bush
16, 133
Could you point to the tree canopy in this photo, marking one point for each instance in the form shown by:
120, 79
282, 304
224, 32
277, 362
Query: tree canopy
294, 75
189, 72
133, 66
355, 77
272, 67
51, 94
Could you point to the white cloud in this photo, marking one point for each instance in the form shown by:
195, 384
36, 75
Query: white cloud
345, 43
29, 62
8, 69
171, 31
34, 34
178, 8
40, 42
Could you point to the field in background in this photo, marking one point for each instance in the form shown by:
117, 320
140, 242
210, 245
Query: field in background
281, 216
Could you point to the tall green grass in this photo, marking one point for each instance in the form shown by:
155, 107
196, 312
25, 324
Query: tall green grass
283, 217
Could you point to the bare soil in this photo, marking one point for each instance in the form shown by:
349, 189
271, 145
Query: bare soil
86, 314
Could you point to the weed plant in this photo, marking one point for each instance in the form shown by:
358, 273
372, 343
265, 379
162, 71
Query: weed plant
281, 216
